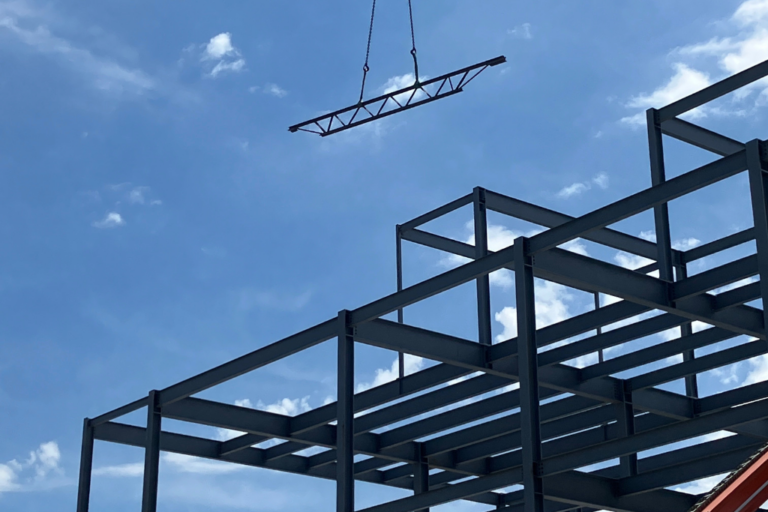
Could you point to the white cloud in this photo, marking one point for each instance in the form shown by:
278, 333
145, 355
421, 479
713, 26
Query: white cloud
745, 46
8, 479
412, 364
701, 486
601, 180
500, 237
110, 220
226, 57
132, 469
103, 73
551, 307
758, 370
685, 81
219, 46
686, 244
630, 261
275, 90
573, 190
186, 464
521, 31
222, 66
32, 472
285, 406
136, 195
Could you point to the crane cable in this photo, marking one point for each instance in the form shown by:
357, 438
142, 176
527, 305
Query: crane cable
413, 45
366, 68
367, 51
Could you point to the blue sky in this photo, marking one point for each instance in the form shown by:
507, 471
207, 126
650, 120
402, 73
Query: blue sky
160, 219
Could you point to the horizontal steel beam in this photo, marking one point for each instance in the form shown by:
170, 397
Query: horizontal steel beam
694, 427
436, 213
700, 137
249, 362
640, 202
551, 218
714, 91
209, 449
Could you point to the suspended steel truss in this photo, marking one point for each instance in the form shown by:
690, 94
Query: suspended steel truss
548, 435
406, 98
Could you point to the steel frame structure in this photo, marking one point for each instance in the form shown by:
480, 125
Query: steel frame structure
561, 418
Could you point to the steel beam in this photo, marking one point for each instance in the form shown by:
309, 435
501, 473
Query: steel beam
700, 137
528, 370
421, 475
551, 218
483, 282
345, 428
658, 437
758, 188
249, 362
714, 91
637, 203
151, 453
86, 466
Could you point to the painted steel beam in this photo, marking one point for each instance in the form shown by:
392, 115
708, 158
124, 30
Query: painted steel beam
718, 245
699, 365
593, 491
210, 449
658, 437
701, 137
714, 464
436, 213
345, 414
249, 362
640, 202
587, 274
86, 468
714, 91
264, 423
374, 397
551, 218
151, 454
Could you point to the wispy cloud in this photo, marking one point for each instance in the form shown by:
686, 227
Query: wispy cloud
411, 365
575, 189
34, 471
521, 31
698, 65
103, 72
277, 300
110, 220
220, 51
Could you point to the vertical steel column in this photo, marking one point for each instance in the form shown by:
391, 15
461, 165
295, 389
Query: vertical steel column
600, 355
399, 256
528, 365
758, 188
345, 453
152, 454
661, 217
421, 474
86, 465
483, 282
691, 381
625, 418
661, 211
